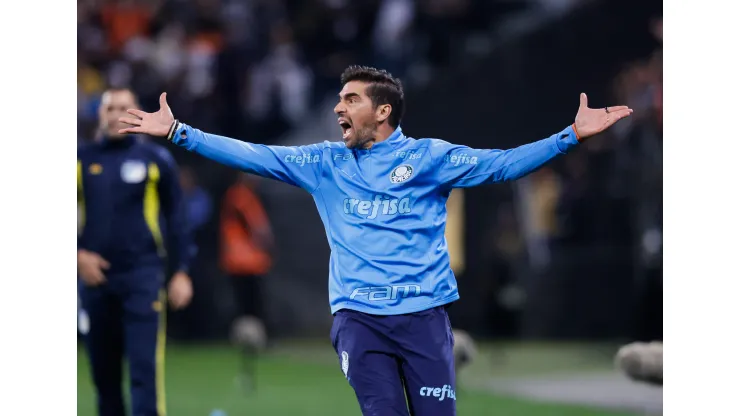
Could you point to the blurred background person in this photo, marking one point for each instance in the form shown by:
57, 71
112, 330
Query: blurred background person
246, 246
125, 188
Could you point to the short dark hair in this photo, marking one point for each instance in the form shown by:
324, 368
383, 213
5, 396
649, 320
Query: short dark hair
383, 89
113, 90
120, 89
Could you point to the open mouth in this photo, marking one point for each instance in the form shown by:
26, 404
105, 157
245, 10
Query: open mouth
346, 128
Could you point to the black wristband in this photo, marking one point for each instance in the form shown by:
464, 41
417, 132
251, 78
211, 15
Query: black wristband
173, 128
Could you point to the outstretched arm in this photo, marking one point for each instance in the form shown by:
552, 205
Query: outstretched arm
461, 166
296, 165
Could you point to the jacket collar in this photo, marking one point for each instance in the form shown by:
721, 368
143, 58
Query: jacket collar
386, 146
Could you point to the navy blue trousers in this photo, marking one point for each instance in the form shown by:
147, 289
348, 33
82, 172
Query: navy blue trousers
127, 319
389, 360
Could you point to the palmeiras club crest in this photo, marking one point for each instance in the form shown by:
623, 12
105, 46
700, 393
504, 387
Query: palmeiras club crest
401, 173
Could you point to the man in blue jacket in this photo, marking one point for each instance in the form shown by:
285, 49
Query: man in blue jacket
382, 196
125, 187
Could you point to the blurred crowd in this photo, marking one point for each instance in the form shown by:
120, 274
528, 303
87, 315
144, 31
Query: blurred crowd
257, 66
607, 198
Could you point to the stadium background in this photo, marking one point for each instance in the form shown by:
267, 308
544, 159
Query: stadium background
554, 270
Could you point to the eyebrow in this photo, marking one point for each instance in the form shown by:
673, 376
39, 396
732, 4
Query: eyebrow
348, 95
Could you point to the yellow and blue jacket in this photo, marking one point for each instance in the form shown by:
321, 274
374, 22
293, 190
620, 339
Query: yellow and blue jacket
130, 205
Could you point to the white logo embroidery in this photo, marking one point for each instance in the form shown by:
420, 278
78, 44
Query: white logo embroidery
442, 393
401, 173
345, 364
133, 171
83, 322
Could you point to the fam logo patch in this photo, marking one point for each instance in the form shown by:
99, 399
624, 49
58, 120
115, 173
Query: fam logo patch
401, 173
133, 171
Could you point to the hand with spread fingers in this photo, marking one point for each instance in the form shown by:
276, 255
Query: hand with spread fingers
592, 121
154, 124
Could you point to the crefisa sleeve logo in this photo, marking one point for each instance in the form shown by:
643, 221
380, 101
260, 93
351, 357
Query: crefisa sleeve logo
401, 173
